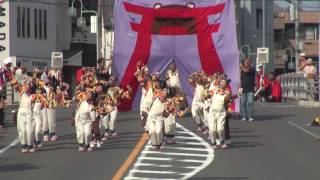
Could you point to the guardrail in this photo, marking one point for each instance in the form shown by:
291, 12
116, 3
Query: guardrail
10, 94
297, 86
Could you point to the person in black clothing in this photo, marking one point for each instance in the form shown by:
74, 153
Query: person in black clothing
247, 84
102, 72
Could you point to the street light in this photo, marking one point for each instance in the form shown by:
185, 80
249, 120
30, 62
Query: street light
290, 64
248, 49
81, 22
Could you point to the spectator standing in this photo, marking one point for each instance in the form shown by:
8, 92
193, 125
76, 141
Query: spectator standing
247, 85
80, 73
44, 76
102, 71
276, 91
302, 61
310, 71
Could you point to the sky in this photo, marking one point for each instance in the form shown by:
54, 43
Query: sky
307, 5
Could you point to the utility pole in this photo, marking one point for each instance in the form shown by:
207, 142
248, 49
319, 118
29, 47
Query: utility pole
98, 29
263, 23
297, 38
264, 30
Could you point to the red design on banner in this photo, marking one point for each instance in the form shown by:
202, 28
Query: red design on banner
171, 20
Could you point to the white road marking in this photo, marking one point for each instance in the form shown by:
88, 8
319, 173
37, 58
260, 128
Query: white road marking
174, 154
188, 138
194, 159
142, 178
304, 130
13, 143
189, 143
186, 149
183, 132
155, 158
153, 172
190, 160
150, 164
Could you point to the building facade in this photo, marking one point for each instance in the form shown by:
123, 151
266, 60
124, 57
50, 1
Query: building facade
250, 23
34, 29
285, 48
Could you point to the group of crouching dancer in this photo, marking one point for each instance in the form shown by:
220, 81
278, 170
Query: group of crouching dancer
94, 117
163, 100
97, 100
211, 106
36, 115
96, 112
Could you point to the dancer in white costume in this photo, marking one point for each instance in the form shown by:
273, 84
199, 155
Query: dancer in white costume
218, 111
25, 124
172, 76
155, 115
49, 114
84, 117
40, 102
198, 82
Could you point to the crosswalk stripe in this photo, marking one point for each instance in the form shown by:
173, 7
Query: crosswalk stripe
143, 178
156, 165
184, 137
190, 160
182, 160
190, 143
180, 148
153, 172
174, 154
155, 158
185, 148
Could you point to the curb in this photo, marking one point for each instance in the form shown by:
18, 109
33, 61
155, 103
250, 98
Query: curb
308, 103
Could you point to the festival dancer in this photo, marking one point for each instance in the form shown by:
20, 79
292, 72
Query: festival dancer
196, 79
116, 93
175, 104
84, 117
172, 76
155, 115
49, 114
39, 102
218, 112
24, 119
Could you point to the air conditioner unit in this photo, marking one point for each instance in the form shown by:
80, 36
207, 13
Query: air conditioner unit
57, 60
262, 55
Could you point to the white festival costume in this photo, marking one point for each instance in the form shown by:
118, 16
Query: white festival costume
24, 120
197, 105
173, 80
155, 122
217, 118
83, 122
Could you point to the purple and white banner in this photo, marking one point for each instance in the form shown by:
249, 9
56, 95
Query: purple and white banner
197, 35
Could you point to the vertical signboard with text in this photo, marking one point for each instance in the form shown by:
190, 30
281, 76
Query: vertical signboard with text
4, 29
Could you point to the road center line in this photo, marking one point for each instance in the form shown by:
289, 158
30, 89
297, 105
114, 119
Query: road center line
131, 158
304, 130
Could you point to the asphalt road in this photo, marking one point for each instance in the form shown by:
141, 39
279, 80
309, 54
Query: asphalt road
277, 146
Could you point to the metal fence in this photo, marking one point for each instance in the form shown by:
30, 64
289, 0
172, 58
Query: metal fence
297, 86
10, 94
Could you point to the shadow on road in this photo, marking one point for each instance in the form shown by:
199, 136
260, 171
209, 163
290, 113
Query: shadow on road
272, 117
18, 167
244, 144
